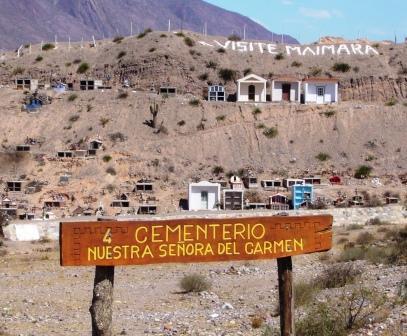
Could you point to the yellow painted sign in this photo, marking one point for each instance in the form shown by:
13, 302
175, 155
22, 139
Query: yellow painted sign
192, 240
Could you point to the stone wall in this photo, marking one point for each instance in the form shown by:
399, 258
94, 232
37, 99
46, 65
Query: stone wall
37, 229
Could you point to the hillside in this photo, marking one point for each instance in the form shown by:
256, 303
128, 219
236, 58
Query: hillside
41, 20
196, 136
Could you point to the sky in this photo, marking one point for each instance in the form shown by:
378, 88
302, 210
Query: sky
311, 19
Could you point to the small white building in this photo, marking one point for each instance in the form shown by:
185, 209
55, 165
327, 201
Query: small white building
216, 93
236, 183
321, 90
252, 88
204, 195
286, 89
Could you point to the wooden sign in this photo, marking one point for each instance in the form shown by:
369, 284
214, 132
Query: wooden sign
114, 243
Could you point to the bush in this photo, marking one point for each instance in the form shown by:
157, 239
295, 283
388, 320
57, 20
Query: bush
118, 39
354, 227
122, 95
18, 71
76, 61
117, 137
234, 37
194, 283
189, 42
227, 74
247, 71
103, 121
39, 58
72, 97
181, 123
338, 275
203, 77
144, 33
271, 132
391, 102
341, 67
83, 68
151, 50
315, 71
256, 111
194, 102
220, 117
257, 321
221, 50
279, 56
364, 238
352, 254
329, 113
107, 158
111, 171
121, 54
217, 170
296, 64
352, 310
323, 157
74, 118
321, 321
304, 293
211, 65
48, 46
363, 172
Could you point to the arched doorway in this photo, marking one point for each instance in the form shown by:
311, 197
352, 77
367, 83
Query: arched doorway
252, 92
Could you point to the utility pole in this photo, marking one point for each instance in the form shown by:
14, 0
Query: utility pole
131, 28
69, 42
82, 43
169, 25
244, 33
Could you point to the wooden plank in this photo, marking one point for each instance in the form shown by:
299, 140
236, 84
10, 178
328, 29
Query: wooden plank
192, 240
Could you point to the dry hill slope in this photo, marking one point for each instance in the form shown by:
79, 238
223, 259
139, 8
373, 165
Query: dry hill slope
196, 138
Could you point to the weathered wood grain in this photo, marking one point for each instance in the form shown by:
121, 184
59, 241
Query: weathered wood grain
192, 240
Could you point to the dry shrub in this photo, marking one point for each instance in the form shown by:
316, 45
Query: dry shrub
342, 240
304, 293
352, 227
338, 275
257, 321
194, 283
351, 253
352, 310
364, 238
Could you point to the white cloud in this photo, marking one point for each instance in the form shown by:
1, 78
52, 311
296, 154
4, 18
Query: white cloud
287, 2
315, 13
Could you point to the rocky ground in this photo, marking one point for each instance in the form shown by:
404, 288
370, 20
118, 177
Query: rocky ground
39, 297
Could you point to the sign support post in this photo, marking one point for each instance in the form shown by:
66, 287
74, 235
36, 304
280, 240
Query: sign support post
286, 295
101, 310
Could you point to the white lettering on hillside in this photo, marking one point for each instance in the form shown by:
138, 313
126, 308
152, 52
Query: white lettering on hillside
290, 50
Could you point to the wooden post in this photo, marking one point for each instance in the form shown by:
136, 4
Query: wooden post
285, 291
102, 303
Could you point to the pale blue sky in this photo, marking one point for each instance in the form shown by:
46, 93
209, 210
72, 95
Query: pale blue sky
308, 20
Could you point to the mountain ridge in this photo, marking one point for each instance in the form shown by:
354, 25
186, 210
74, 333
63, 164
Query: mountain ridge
40, 20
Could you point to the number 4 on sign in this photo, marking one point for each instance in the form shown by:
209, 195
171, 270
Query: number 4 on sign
107, 238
